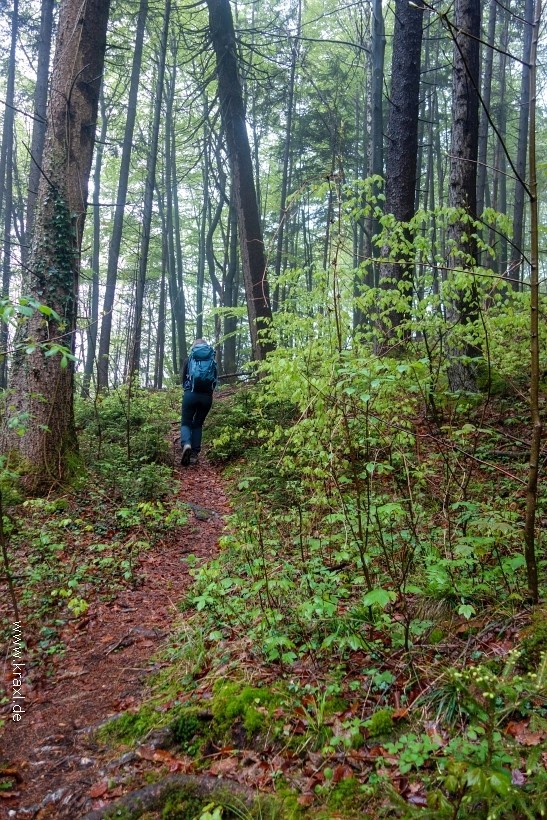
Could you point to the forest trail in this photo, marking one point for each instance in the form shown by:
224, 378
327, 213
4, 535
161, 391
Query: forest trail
106, 667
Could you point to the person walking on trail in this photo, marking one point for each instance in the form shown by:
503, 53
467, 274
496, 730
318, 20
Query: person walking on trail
199, 379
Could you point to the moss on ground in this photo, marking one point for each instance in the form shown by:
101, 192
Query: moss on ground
236, 702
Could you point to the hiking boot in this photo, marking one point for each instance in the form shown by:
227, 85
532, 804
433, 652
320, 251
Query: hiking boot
193, 458
186, 453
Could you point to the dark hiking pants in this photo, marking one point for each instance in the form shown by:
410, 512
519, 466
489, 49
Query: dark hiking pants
195, 407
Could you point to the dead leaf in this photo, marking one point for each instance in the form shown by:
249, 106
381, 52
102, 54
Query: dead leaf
223, 767
98, 789
417, 800
522, 734
305, 799
341, 772
517, 777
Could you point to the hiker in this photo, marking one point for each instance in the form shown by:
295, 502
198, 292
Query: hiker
199, 378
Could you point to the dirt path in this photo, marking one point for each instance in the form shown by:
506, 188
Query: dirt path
105, 668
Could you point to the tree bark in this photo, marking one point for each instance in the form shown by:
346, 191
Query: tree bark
232, 109
39, 123
6, 186
376, 127
514, 270
535, 372
499, 187
486, 71
230, 295
463, 177
135, 352
116, 239
41, 387
295, 51
402, 149
96, 256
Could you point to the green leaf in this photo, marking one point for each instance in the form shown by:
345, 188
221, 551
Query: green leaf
378, 597
24, 310
466, 610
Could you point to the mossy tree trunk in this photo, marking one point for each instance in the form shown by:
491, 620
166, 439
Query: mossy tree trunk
41, 384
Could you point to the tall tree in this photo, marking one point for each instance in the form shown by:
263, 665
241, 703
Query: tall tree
41, 387
295, 51
463, 173
514, 269
135, 351
39, 121
6, 184
253, 258
487, 64
402, 147
96, 254
376, 119
116, 240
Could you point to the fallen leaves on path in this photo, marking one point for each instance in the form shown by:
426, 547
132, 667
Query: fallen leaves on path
53, 761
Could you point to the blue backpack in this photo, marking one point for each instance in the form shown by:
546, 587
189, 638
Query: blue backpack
202, 369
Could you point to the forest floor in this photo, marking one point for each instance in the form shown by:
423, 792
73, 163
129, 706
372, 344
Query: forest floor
50, 758
132, 693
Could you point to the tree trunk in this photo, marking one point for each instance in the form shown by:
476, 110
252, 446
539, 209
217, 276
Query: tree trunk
39, 123
200, 273
160, 334
230, 296
250, 232
376, 127
486, 71
178, 306
402, 148
6, 186
535, 370
95, 259
514, 269
295, 51
463, 176
135, 353
116, 239
499, 188
42, 388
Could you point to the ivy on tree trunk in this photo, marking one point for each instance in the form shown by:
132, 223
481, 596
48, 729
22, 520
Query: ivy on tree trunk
42, 385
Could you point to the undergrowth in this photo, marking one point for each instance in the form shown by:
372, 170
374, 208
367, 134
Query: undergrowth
86, 542
383, 544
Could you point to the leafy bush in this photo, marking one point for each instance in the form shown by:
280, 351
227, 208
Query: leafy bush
124, 434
